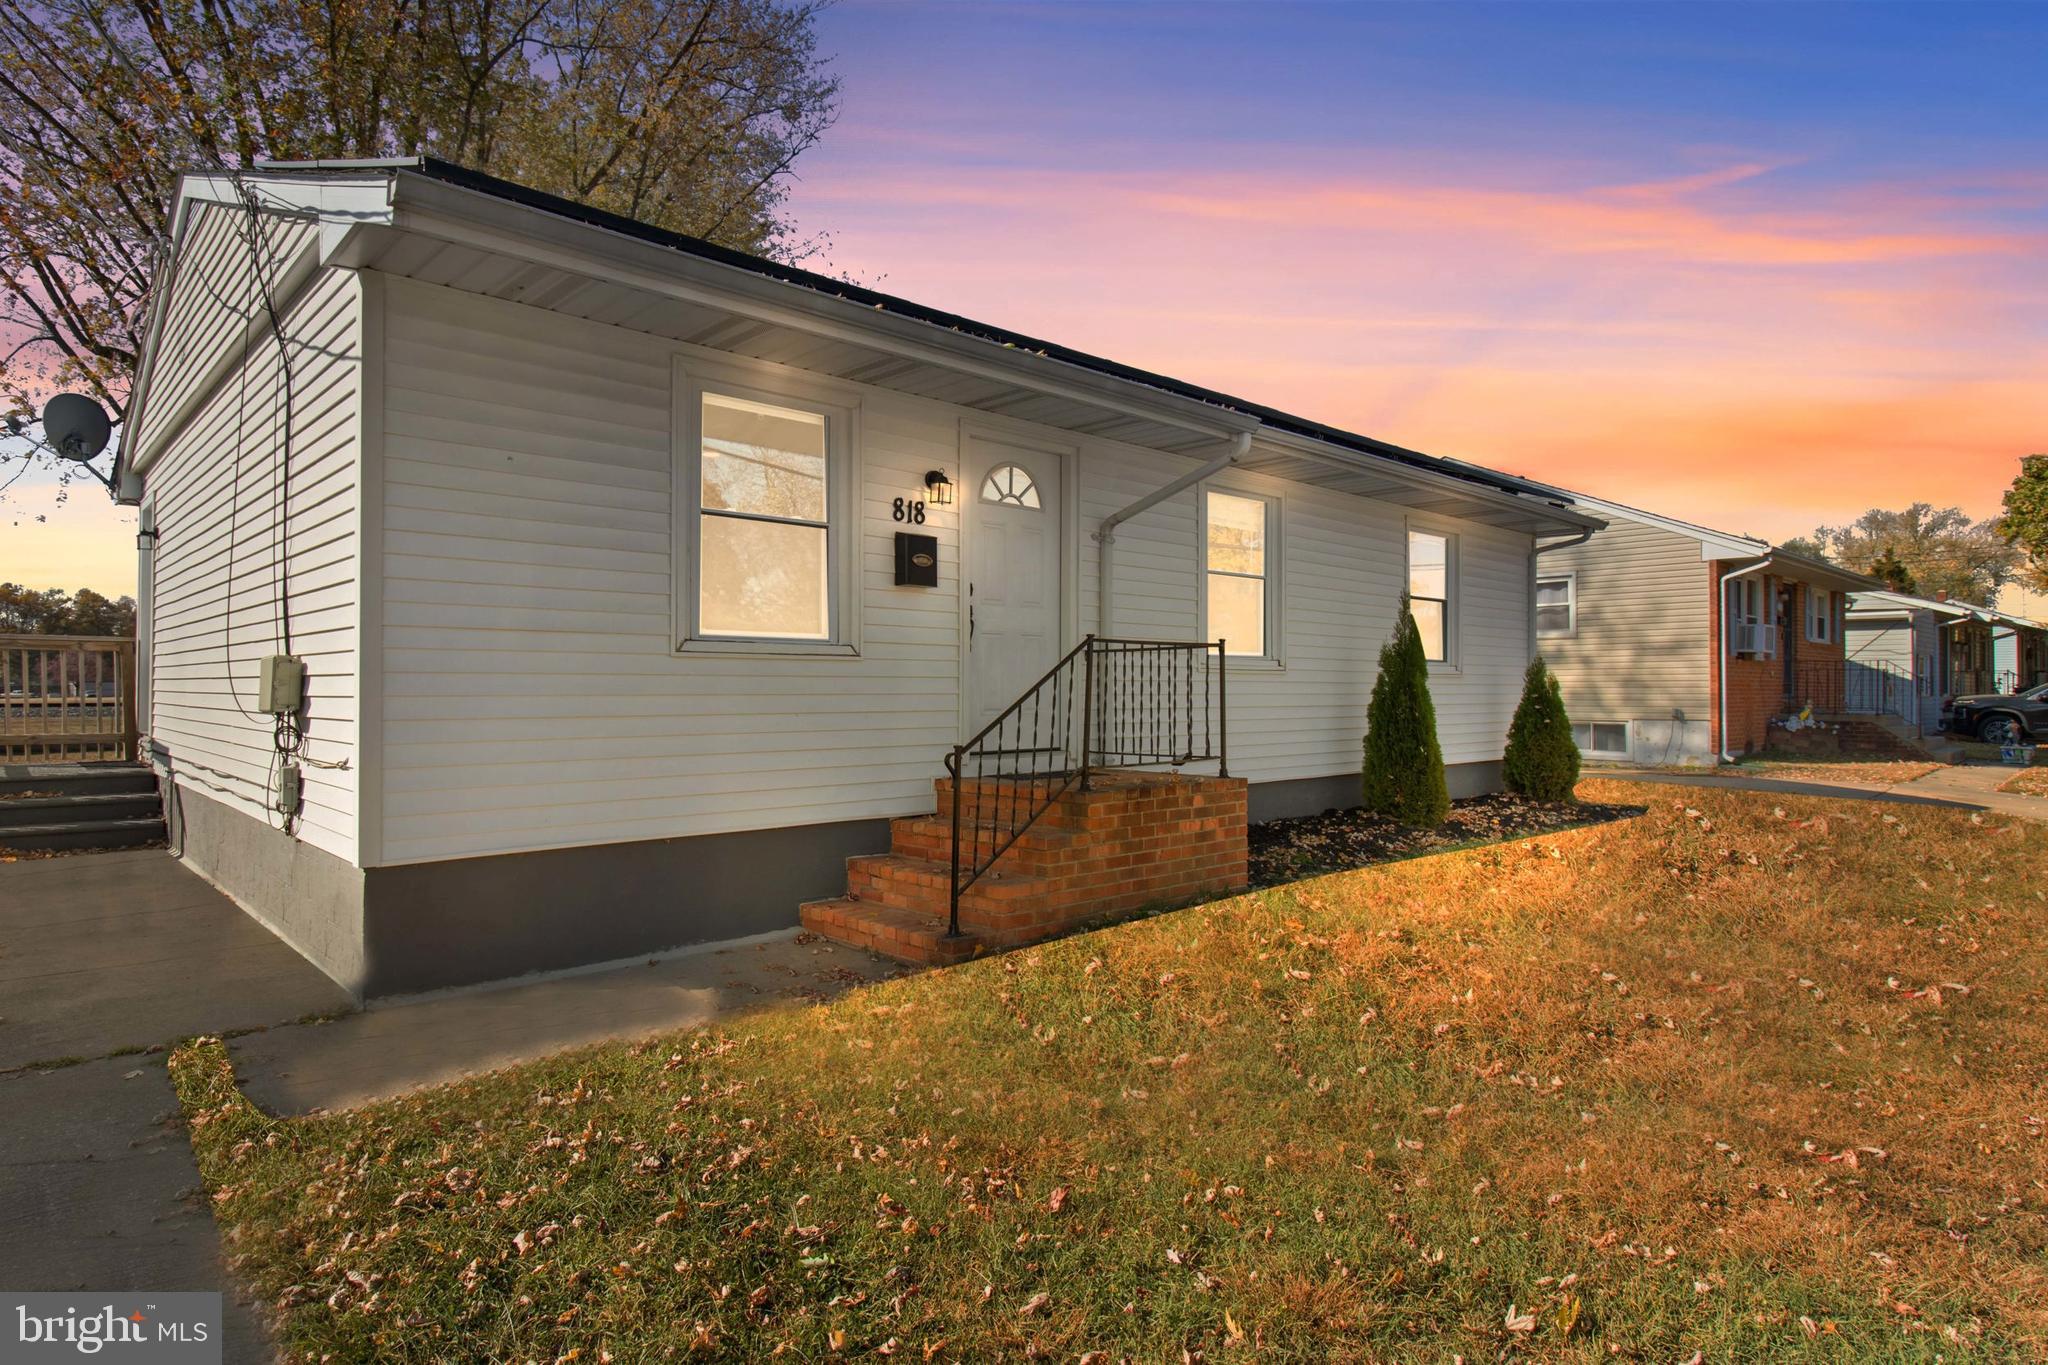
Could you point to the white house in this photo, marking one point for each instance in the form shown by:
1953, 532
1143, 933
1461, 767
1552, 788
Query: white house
586, 536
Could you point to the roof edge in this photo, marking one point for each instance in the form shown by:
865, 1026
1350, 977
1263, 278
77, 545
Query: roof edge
861, 296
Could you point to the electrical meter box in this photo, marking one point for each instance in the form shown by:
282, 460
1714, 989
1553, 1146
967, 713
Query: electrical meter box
281, 685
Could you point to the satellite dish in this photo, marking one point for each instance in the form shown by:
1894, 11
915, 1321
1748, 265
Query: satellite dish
76, 426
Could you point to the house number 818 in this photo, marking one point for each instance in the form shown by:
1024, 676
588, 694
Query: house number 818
912, 512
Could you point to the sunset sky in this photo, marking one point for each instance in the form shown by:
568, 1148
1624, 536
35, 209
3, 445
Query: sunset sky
1760, 267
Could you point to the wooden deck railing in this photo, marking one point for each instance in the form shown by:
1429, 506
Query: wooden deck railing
66, 698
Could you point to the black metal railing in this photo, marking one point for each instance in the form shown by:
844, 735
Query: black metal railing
1819, 684
1878, 687
1106, 704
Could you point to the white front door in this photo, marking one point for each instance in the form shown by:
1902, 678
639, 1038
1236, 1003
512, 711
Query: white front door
1013, 573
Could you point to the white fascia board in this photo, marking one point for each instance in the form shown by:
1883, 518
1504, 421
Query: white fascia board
1560, 519
453, 213
1906, 602
1713, 544
342, 202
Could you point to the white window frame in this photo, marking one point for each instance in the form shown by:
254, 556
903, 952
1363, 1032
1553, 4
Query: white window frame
1411, 529
1756, 598
1570, 579
1821, 607
693, 378
1591, 731
1273, 656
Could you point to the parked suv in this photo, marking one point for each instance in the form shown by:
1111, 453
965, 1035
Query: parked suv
2003, 718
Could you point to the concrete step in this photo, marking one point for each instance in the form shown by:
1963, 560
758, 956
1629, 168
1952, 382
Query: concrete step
892, 931
18, 811
81, 834
75, 779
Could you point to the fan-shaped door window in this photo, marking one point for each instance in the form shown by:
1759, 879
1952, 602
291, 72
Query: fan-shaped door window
1010, 485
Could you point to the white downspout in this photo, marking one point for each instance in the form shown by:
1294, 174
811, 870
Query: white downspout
1721, 608
1535, 550
1105, 534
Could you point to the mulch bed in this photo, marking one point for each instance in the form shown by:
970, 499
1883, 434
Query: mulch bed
1340, 840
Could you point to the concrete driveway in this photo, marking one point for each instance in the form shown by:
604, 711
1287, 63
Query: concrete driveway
103, 951
104, 959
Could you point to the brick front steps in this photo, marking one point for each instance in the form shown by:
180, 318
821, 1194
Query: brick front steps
1131, 840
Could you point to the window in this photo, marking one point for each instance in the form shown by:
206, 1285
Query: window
1748, 631
764, 481
1601, 737
1429, 592
1238, 540
1010, 484
1557, 605
1820, 615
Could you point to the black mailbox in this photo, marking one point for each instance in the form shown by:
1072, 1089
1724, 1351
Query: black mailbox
917, 560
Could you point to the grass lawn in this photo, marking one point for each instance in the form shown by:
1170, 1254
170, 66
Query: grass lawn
1869, 772
1753, 1077
2027, 782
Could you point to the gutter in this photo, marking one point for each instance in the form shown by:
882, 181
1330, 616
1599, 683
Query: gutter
1535, 550
1105, 534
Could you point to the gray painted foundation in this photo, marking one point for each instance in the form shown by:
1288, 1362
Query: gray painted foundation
427, 925
306, 896
1667, 743
1340, 791
397, 930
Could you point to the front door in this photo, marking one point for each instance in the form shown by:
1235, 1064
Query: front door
1013, 573
1788, 645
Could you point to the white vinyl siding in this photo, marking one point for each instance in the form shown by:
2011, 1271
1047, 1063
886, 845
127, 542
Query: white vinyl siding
1643, 633
214, 295
1343, 561
532, 694
533, 697
1907, 646
214, 602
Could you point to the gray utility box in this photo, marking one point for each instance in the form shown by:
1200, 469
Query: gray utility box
281, 685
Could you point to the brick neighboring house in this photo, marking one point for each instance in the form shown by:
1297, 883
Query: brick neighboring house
1677, 643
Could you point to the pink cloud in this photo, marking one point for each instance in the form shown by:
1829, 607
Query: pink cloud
1721, 342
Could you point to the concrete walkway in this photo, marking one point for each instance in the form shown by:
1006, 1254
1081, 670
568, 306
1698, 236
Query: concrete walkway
430, 1040
113, 953
1959, 788
99, 1191
1977, 785
107, 958
102, 951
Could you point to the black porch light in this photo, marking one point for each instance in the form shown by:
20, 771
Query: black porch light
938, 488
